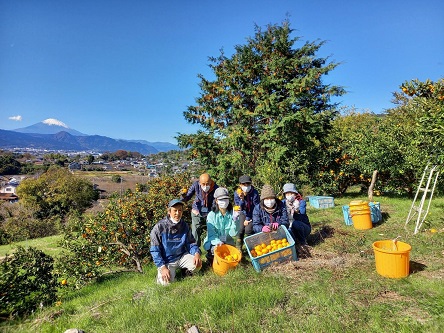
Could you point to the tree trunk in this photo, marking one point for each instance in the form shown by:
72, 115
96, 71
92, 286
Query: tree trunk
372, 184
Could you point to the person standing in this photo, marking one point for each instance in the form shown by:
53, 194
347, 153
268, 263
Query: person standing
203, 191
173, 246
222, 226
297, 214
246, 197
270, 213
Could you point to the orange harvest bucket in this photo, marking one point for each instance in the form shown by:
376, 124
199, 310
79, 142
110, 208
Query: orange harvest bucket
222, 266
392, 258
361, 215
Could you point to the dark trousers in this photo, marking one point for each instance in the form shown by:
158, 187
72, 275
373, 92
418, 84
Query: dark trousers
244, 230
300, 230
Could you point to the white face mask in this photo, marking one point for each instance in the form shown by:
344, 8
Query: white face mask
174, 220
205, 188
269, 203
223, 203
290, 197
246, 189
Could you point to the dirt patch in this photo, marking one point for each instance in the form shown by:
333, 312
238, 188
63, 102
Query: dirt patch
305, 266
438, 274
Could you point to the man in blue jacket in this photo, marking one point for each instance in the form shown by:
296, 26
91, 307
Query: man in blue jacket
203, 190
173, 246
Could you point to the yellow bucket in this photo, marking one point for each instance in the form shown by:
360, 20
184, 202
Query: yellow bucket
392, 258
222, 266
361, 215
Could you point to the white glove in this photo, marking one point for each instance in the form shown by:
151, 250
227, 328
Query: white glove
296, 205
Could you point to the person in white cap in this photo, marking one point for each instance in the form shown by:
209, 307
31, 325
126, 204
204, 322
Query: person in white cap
222, 226
173, 245
297, 214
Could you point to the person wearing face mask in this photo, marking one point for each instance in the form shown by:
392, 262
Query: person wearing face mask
173, 246
270, 213
203, 192
246, 197
222, 226
297, 214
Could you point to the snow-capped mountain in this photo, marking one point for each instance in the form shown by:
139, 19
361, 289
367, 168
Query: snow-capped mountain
49, 126
55, 134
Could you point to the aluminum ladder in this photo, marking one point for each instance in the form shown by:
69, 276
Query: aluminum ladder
427, 195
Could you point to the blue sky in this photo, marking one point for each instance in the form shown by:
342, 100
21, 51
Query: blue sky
128, 69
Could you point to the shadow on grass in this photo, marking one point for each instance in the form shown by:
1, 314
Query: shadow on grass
416, 267
318, 237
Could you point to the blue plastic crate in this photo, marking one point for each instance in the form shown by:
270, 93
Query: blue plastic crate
321, 202
346, 213
375, 213
285, 254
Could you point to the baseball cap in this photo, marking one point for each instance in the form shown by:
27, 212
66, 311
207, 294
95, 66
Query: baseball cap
175, 202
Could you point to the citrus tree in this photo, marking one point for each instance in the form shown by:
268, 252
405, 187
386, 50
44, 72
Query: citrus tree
427, 98
120, 235
267, 103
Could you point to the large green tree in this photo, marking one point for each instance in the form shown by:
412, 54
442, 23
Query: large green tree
266, 111
8, 164
56, 192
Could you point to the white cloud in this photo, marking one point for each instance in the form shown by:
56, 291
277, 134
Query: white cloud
16, 118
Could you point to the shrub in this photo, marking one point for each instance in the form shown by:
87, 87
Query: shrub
18, 223
116, 178
27, 282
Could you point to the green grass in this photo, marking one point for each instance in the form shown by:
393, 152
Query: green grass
335, 290
49, 245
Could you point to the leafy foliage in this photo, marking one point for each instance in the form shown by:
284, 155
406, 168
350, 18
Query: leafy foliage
427, 98
8, 164
56, 192
267, 104
26, 282
18, 223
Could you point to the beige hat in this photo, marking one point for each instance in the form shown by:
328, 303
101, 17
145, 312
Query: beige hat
221, 193
267, 192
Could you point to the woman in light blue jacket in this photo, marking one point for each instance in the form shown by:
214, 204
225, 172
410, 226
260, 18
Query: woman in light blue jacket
222, 225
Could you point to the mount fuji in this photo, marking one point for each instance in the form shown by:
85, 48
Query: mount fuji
49, 126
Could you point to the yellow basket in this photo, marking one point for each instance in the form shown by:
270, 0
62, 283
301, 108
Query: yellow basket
361, 215
222, 266
392, 258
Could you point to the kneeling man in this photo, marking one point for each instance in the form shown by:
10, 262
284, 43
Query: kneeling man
173, 245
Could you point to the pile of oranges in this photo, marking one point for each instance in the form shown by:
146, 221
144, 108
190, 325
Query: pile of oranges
230, 257
274, 245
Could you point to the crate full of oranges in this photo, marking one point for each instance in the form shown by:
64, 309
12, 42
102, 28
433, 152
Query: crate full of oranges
268, 248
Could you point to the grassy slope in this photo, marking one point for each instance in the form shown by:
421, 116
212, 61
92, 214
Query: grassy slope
336, 289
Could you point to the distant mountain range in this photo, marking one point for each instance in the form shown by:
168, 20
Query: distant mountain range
52, 134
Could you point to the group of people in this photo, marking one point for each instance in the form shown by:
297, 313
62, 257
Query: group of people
175, 245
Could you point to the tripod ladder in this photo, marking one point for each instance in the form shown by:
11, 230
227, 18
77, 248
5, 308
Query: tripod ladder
427, 195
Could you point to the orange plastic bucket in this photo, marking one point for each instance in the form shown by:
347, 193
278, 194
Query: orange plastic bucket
222, 266
361, 215
392, 259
